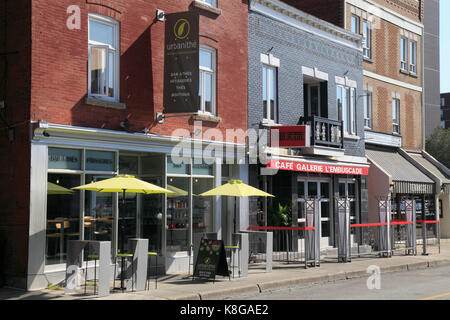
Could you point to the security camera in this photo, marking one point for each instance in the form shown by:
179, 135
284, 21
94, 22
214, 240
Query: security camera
160, 15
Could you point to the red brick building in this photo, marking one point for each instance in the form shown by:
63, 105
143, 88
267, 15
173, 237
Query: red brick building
80, 88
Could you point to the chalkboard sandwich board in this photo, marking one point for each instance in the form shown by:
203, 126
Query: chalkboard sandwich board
211, 260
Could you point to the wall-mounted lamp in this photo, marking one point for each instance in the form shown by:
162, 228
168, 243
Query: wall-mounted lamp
196, 132
160, 14
125, 124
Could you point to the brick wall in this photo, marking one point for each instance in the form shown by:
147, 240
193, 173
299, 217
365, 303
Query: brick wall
410, 112
60, 64
15, 153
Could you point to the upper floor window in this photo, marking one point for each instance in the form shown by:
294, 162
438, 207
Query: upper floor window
367, 39
346, 103
396, 115
413, 56
442, 102
404, 53
207, 84
269, 77
355, 24
210, 2
104, 55
367, 109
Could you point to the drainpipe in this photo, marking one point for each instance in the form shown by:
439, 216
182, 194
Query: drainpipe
423, 82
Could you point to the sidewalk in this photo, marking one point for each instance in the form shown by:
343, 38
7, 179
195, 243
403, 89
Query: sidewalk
180, 287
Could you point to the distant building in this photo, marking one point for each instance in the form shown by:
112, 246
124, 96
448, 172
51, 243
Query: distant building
431, 73
445, 110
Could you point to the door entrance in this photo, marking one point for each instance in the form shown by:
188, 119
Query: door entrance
310, 189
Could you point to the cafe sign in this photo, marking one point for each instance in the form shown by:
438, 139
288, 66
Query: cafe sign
181, 63
317, 167
290, 136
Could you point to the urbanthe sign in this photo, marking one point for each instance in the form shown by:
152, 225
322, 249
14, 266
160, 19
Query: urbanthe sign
181, 63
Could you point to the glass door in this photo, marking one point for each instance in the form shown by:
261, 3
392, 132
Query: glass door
316, 189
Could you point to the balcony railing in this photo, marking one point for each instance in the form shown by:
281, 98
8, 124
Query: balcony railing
325, 132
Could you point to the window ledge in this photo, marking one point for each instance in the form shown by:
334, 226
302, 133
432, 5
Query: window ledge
206, 117
368, 60
351, 136
396, 134
105, 103
413, 74
269, 123
404, 71
206, 7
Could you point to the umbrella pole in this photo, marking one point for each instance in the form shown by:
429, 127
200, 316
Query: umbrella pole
234, 219
122, 228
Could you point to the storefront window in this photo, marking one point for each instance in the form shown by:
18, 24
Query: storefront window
152, 217
127, 219
63, 214
202, 169
202, 219
178, 214
60, 158
100, 160
177, 166
128, 165
99, 213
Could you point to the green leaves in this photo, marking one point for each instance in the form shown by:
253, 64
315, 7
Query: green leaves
180, 30
438, 145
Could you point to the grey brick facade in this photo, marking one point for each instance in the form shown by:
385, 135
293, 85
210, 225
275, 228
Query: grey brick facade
296, 48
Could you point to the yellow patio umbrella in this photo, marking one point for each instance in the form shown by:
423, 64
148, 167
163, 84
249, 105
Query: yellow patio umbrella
177, 192
236, 188
124, 184
53, 188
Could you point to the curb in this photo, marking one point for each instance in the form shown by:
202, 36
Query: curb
332, 277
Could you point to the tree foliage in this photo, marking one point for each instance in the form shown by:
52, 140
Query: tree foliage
438, 145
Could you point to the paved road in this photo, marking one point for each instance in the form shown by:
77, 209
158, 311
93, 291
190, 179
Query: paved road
429, 284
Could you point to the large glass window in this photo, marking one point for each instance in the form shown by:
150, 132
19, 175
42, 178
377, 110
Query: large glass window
99, 214
178, 214
210, 2
202, 219
103, 57
63, 216
346, 100
207, 84
152, 217
269, 85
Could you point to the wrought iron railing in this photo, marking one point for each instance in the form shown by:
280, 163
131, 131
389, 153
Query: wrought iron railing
325, 132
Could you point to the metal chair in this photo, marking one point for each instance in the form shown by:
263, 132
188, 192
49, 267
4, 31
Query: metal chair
149, 269
95, 280
232, 252
123, 256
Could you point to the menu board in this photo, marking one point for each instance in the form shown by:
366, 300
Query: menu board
211, 260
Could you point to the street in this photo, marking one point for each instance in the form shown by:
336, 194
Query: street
425, 284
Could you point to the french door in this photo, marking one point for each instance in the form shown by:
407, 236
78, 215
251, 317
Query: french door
310, 189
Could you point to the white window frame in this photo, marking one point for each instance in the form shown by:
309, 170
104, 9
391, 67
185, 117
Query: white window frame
268, 93
202, 72
350, 107
442, 102
368, 110
358, 24
212, 3
413, 56
367, 39
110, 49
404, 56
396, 107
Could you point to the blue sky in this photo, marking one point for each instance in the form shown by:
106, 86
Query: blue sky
445, 45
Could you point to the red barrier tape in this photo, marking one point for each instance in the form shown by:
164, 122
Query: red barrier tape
281, 228
428, 221
368, 225
398, 223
